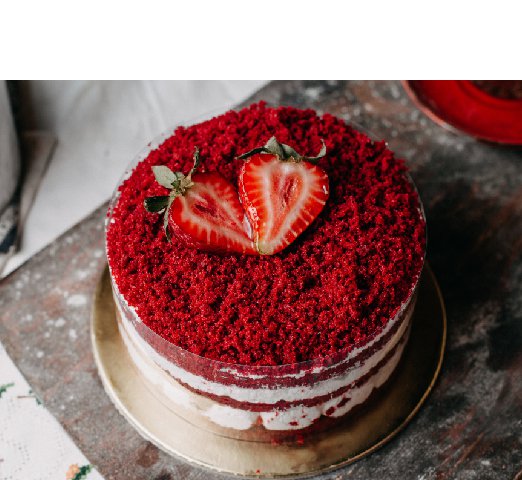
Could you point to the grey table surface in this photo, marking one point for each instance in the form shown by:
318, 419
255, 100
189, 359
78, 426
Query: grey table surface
471, 425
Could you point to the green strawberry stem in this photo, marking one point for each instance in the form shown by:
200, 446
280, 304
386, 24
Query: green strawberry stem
177, 182
284, 152
156, 204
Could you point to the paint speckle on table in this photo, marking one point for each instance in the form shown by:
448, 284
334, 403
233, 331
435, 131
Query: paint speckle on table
59, 322
82, 274
77, 300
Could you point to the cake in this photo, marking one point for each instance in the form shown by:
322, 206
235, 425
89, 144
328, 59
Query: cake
270, 347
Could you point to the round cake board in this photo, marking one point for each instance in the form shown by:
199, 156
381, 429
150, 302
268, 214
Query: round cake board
369, 429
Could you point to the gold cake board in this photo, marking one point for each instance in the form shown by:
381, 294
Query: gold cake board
368, 430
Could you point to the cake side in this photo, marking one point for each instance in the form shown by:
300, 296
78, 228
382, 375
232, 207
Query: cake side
260, 347
265, 412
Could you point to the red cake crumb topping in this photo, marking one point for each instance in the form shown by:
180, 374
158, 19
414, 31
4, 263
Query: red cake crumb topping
334, 287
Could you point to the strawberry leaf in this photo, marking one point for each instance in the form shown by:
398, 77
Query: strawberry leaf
252, 152
177, 182
289, 152
320, 155
273, 146
166, 219
156, 204
284, 152
197, 162
164, 175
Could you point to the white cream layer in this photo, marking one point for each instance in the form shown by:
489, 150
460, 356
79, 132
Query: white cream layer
266, 395
118, 297
352, 354
291, 418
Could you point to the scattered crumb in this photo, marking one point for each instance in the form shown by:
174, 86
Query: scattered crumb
60, 322
77, 300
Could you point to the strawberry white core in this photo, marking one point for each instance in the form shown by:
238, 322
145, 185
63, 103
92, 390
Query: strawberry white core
282, 198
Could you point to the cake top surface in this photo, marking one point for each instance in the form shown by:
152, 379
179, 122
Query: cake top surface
335, 287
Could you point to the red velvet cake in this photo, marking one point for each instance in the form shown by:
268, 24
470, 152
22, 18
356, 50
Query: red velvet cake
260, 346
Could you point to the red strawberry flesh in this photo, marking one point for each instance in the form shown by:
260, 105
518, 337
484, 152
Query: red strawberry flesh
281, 198
209, 216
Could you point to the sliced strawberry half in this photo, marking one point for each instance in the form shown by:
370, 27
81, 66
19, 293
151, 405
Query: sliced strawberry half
282, 193
203, 210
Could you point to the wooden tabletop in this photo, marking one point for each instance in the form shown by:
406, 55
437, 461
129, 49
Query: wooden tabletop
470, 427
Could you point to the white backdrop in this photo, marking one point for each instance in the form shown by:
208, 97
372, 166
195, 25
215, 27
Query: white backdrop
100, 127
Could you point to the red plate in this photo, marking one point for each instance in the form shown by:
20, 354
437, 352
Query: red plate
493, 112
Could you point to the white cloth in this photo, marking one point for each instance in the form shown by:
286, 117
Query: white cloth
9, 176
33, 445
9, 161
100, 127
